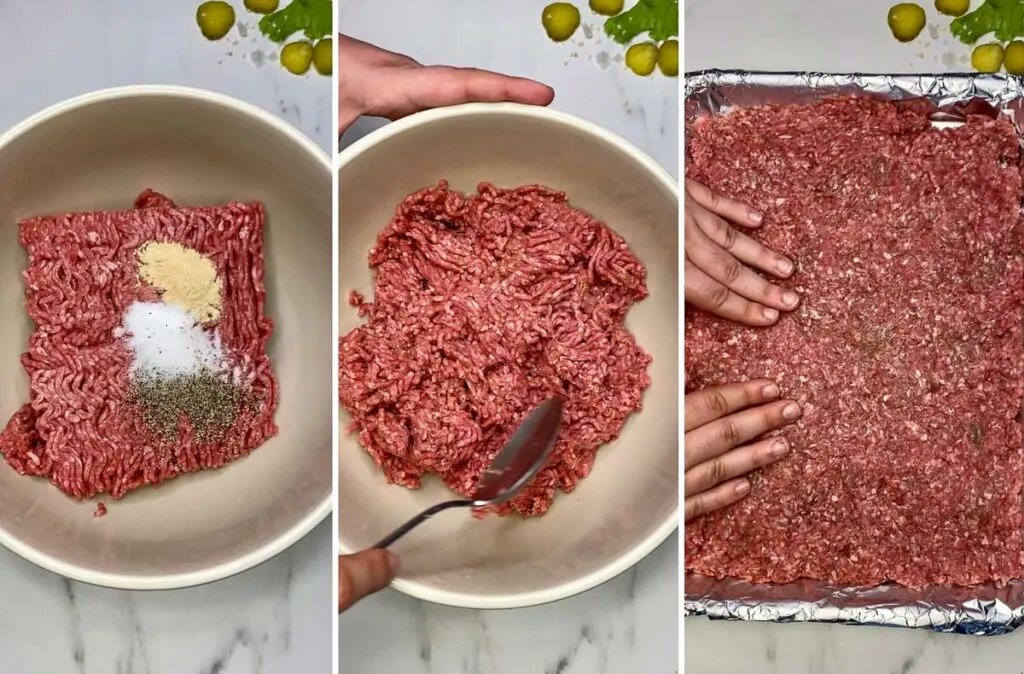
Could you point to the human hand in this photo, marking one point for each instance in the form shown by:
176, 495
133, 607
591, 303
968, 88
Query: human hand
376, 82
721, 422
362, 574
717, 278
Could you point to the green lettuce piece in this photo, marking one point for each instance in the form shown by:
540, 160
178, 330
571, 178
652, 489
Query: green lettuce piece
658, 18
312, 17
1005, 18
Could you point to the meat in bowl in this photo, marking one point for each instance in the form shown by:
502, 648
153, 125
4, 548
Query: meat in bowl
484, 306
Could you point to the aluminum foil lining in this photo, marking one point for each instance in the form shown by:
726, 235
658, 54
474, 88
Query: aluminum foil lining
979, 610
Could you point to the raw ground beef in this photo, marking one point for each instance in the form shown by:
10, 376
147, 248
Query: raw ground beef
485, 306
905, 351
79, 429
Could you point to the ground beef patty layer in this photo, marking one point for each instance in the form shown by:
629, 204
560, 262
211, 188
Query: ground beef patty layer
905, 352
80, 430
484, 306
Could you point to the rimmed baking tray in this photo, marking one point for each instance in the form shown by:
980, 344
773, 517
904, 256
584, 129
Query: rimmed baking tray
979, 610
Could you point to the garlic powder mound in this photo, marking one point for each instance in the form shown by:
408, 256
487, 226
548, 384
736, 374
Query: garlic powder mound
186, 277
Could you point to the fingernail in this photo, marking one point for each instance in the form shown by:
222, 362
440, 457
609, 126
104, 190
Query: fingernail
791, 411
789, 298
784, 267
755, 217
770, 391
780, 448
743, 487
770, 314
394, 563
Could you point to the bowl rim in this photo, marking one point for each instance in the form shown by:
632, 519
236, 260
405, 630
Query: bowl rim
670, 524
297, 530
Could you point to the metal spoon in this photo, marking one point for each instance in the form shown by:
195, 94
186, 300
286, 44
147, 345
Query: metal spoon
512, 468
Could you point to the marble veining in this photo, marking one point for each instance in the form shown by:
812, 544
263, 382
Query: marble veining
830, 37
277, 617
274, 618
630, 623
726, 648
122, 42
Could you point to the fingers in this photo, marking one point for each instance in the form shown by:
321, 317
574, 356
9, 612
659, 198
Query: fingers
381, 83
715, 402
725, 285
441, 86
735, 463
713, 439
722, 266
721, 496
362, 574
743, 248
730, 209
706, 293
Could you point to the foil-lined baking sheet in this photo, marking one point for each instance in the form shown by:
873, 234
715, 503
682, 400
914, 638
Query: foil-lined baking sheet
980, 610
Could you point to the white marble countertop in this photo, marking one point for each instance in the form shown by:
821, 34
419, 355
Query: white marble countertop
629, 624
277, 617
830, 36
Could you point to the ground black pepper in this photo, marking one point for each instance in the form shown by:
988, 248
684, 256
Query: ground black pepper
209, 402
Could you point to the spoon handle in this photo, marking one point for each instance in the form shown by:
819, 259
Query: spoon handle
420, 519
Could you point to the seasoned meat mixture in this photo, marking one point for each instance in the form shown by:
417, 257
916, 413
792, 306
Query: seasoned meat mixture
905, 352
80, 428
484, 306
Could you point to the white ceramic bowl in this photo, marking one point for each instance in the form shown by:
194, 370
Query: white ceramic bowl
98, 152
628, 505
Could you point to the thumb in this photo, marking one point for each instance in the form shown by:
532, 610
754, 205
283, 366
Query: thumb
363, 574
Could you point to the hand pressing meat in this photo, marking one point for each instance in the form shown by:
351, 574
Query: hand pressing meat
363, 574
723, 424
718, 278
379, 83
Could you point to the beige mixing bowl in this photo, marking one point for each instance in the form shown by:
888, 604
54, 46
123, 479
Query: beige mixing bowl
628, 505
98, 152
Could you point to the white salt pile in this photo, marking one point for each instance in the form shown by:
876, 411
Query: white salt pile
167, 342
